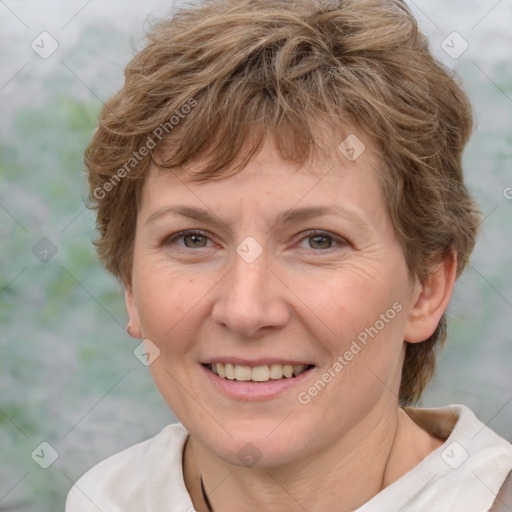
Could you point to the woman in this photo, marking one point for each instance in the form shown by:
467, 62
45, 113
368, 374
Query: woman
279, 189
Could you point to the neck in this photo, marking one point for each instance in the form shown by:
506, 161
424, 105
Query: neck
331, 479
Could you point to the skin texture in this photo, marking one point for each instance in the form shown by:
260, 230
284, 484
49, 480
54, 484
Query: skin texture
305, 298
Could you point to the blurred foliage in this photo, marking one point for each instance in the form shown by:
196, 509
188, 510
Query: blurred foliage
59, 319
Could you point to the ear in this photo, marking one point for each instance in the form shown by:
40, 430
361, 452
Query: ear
133, 328
433, 298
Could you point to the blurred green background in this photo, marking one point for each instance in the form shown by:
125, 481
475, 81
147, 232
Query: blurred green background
68, 375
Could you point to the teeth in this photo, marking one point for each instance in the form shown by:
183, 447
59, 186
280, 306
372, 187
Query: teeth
260, 373
276, 371
242, 372
229, 370
299, 368
257, 373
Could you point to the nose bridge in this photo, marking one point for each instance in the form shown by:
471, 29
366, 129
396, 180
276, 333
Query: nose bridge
249, 297
249, 277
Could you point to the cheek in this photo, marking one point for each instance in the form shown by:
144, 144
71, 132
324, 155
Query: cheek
169, 303
170, 306
358, 320
346, 302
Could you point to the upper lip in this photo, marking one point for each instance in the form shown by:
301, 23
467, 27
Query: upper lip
261, 361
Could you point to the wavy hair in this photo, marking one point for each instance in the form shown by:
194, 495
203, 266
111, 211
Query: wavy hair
217, 78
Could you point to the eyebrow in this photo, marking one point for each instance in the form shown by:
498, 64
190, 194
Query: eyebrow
190, 212
285, 217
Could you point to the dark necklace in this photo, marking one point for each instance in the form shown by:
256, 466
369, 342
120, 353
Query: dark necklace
205, 497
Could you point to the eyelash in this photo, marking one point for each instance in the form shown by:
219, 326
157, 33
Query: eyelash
309, 234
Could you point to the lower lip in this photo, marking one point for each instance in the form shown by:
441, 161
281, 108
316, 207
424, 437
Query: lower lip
248, 390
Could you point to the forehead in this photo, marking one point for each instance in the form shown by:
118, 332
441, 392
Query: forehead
337, 153
342, 178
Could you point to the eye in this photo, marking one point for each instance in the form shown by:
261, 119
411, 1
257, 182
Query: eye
318, 240
191, 239
323, 240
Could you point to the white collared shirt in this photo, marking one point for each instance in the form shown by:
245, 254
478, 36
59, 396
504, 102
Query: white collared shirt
463, 475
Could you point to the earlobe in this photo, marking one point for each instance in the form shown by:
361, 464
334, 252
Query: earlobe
133, 328
433, 299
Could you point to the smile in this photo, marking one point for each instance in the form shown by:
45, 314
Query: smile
261, 373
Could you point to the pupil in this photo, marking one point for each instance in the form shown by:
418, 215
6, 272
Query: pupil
321, 241
196, 240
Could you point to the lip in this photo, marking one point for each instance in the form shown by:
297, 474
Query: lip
254, 362
247, 390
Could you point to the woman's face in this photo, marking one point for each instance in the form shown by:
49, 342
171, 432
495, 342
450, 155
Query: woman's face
275, 266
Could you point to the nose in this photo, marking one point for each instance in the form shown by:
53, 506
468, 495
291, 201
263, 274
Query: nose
251, 299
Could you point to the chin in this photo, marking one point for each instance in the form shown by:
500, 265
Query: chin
259, 444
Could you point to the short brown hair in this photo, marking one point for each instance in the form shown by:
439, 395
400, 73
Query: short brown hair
216, 79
